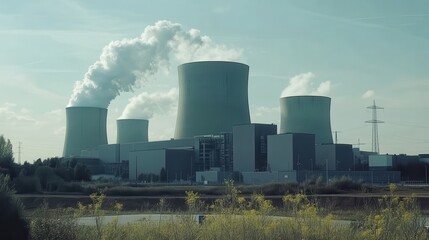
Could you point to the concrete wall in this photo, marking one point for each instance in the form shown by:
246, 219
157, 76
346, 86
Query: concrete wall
292, 151
307, 114
179, 164
125, 149
212, 98
380, 161
132, 130
280, 152
268, 177
250, 146
109, 153
338, 156
85, 129
244, 148
149, 161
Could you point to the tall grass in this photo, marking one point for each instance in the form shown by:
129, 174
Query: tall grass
233, 217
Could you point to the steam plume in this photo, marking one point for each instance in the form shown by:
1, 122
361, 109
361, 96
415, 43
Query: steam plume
146, 104
125, 64
302, 84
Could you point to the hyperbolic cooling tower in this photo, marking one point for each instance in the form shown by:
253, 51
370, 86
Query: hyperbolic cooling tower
132, 130
85, 129
307, 114
212, 98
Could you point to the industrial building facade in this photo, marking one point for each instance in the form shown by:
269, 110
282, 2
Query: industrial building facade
214, 138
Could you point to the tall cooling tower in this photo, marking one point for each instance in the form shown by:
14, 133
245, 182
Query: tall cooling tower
307, 114
132, 130
212, 98
85, 129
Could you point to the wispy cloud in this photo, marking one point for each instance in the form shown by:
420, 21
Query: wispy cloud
368, 94
303, 84
21, 82
12, 115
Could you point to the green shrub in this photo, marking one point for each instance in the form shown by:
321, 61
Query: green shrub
70, 187
345, 183
12, 223
24, 184
53, 224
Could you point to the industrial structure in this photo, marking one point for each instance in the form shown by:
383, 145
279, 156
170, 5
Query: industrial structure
132, 130
85, 129
307, 114
215, 139
212, 98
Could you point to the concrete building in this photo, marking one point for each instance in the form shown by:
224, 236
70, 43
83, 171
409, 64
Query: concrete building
213, 151
212, 98
307, 114
85, 129
380, 162
250, 146
338, 157
168, 164
291, 151
132, 130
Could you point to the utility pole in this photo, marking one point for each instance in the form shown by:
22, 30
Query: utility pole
358, 144
375, 122
336, 136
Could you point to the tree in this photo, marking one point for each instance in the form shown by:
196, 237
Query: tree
81, 173
6, 157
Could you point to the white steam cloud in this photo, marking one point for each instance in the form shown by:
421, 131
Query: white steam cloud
125, 64
303, 84
368, 94
145, 105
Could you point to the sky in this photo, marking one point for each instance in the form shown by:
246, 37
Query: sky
352, 51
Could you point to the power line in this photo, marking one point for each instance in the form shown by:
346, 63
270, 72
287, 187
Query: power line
374, 121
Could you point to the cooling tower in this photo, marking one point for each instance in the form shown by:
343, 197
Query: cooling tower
85, 129
307, 114
132, 130
212, 98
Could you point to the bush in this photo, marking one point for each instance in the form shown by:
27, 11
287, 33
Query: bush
12, 224
53, 224
24, 184
45, 175
345, 183
70, 187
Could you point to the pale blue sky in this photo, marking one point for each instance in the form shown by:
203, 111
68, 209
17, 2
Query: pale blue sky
359, 46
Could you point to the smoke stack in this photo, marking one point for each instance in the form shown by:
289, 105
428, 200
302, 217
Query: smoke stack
307, 114
132, 130
85, 129
212, 98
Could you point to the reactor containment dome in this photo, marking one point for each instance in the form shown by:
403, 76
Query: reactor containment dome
132, 130
212, 98
85, 129
307, 114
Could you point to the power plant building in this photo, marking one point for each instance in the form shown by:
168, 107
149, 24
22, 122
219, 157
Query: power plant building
307, 114
334, 157
85, 129
213, 151
214, 138
291, 151
212, 98
250, 146
169, 164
